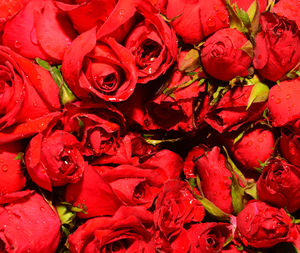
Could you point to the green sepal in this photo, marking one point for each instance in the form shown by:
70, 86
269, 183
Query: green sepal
218, 94
170, 91
210, 207
156, 142
251, 190
65, 94
19, 156
259, 93
252, 10
66, 216
248, 49
190, 62
169, 20
235, 20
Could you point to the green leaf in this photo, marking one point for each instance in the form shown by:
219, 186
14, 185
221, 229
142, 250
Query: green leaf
248, 49
19, 156
190, 62
259, 93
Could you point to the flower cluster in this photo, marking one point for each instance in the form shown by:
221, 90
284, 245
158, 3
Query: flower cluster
149, 126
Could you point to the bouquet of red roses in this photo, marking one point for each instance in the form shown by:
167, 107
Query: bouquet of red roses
149, 126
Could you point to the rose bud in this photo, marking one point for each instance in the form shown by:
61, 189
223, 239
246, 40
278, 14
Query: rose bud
289, 9
54, 159
284, 103
189, 162
96, 125
262, 226
231, 110
28, 95
174, 107
278, 33
255, 146
205, 237
290, 146
10, 9
215, 179
93, 195
279, 184
126, 231
140, 184
12, 176
28, 223
39, 30
103, 69
194, 20
86, 14
223, 56
151, 41
175, 207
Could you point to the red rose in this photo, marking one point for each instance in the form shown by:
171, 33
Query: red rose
276, 47
256, 146
9, 9
39, 30
93, 195
86, 14
208, 237
230, 112
96, 125
12, 177
104, 69
261, 226
126, 231
195, 19
290, 146
189, 162
176, 109
222, 55
175, 207
151, 41
28, 223
284, 103
215, 179
289, 9
28, 95
140, 184
279, 184
54, 159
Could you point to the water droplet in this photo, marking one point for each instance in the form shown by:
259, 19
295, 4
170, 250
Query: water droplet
17, 44
222, 16
211, 22
18, 227
288, 96
216, 7
259, 57
121, 13
150, 70
42, 208
34, 104
278, 101
33, 37
4, 168
39, 77
272, 97
260, 139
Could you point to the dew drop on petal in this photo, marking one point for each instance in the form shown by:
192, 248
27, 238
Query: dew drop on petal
211, 22
4, 168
